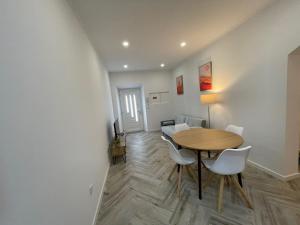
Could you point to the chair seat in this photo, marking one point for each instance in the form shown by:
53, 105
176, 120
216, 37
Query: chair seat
208, 163
221, 169
188, 157
180, 156
168, 130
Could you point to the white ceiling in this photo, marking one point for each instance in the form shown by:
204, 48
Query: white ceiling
155, 28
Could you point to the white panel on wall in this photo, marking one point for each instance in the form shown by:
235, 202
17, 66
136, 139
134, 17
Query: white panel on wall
164, 97
159, 97
154, 98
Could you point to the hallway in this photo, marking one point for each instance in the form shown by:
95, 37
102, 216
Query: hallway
77, 76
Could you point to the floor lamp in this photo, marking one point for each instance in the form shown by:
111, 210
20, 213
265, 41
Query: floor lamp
208, 99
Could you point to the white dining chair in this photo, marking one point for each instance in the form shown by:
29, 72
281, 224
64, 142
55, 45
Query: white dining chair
229, 163
239, 131
235, 129
182, 158
181, 127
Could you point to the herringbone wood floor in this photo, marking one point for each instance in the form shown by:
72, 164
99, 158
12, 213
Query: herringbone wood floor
138, 193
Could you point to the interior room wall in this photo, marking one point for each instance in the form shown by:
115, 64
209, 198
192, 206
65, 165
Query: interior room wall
55, 116
250, 72
150, 81
293, 112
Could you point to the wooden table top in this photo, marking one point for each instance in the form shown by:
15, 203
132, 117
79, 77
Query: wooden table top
207, 139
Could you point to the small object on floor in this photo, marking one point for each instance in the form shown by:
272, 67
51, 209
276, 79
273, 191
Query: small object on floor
118, 149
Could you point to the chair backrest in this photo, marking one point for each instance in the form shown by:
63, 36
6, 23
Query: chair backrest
173, 151
193, 121
235, 129
181, 127
180, 119
231, 161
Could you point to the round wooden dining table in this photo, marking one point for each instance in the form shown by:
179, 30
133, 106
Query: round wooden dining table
202, 139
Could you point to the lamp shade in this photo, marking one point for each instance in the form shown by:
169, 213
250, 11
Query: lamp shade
209, 98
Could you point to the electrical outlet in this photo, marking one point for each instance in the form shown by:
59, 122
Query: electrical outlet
91, 189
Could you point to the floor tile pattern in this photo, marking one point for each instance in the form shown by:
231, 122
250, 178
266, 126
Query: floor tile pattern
138, 193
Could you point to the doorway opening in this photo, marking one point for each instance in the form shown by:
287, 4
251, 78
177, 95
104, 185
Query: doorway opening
132, 110
293, 111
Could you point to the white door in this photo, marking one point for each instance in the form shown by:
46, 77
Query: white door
131, 109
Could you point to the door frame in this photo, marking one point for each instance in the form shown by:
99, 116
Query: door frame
143, 107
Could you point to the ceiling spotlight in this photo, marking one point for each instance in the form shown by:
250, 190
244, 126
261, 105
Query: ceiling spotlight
182, 44
125, 66
162, 65
125, 44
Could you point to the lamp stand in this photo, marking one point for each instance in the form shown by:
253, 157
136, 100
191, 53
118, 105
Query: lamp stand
208, 112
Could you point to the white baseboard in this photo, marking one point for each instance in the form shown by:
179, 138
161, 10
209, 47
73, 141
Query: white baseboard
273, 173
100, 198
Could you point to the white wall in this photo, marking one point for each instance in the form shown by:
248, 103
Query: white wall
55, 116
250, 70
150, 81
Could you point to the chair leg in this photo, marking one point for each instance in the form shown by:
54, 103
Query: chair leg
242, 192
179, 181
221, 190
240, 179
227, 180
208, 181
191, 173
173, 170
208, 154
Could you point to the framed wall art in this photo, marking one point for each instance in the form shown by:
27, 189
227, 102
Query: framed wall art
179, 85
205, 76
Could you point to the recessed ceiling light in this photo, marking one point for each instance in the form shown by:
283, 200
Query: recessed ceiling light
162, 65
182, 44
125, 66
125, 44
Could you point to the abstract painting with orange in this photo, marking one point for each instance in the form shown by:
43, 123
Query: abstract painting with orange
205, 77
179, 85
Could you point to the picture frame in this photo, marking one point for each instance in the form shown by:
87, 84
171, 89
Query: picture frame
179, 85
205, 76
